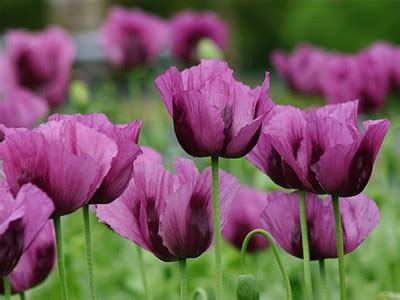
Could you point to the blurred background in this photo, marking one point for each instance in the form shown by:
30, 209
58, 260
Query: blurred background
256, 28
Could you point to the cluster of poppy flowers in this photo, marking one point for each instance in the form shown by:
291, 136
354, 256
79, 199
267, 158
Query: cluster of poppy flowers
35, 67
368, 75
73, 161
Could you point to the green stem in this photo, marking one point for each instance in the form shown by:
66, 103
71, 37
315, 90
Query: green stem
7, 288
200, 294
183, 276
60, 257
88, 242
339, 245
217, 229
143, 273
322, 273
22, 296
306, 249
276, 253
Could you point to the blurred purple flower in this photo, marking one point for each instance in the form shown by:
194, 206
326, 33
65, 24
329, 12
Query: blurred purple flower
342, 80
303, 69
42, 61
18, 107
148, 154
321, 150
168, 215
375, 65
396, 70
21, 220
133, 37
245, 217
126, 137
66, 159
281, 219
213, 114
189, 27
36, 263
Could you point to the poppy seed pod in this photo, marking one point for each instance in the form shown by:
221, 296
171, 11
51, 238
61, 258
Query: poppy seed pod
247, 288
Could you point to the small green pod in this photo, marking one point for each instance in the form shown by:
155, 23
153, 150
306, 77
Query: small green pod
247, 288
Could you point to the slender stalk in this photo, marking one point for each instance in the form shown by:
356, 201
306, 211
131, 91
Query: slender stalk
217, 229
276, 253
306, 249
7, 288
200, 294
22, 296
89, 260
60, 257
339, 245
183, 276
143, 273
322, 273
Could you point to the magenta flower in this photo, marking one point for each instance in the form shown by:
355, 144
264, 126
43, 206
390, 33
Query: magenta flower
132, 37
18, 107
148, 154
126, 138
321, 150
21, 220
396, 70
189, 27
66, 159
375, 65
342, 80
36, 263
245, 217
213, 114
169, 215
42, 61
359, 216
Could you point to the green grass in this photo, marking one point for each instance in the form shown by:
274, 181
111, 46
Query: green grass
373, 268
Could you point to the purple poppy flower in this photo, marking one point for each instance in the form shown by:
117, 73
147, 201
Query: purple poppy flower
342, 80
375, 65
321, 150
133, 37
189, 27
169, 215
21, 220
281, 219
126, 138
396, 70
245, 217
66, 159
42, 61
18, 107
36, 263
148, 154
213, 114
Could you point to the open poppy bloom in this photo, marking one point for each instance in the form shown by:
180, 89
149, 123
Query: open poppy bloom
169, 215
42, 61
133, 37
126, 137
321, 150
213, 114
245, 217
189, 27
21, 220
281, 219
66, 159
36, 263
19, 107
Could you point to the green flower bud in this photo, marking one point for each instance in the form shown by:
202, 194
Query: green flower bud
247, 288
79, 94
206, 48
